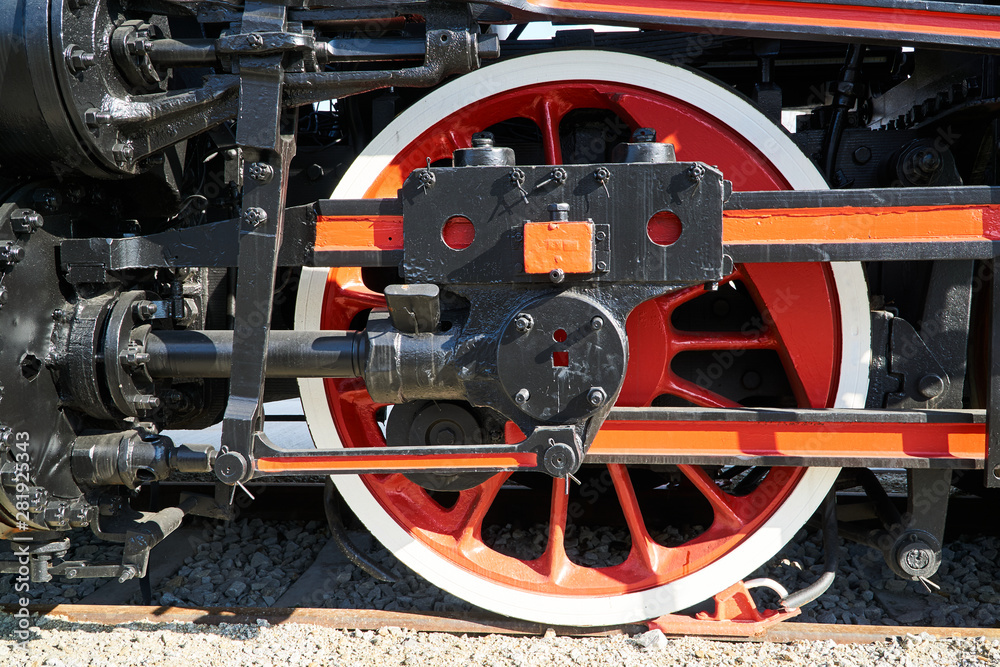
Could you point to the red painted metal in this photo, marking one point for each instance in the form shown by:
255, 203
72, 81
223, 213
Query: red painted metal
783, 291
736, 615
958, 26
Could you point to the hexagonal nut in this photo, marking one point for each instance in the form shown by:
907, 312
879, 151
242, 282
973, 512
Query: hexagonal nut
144, 310
11, 254
254, 216
123, 153
596, 396
260, 172
25, 221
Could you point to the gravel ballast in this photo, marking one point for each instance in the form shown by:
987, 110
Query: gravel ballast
250, 562
56, 643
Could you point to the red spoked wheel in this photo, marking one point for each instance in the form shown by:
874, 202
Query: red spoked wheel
776, 335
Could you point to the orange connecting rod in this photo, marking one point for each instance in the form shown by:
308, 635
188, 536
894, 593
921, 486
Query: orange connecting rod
756, 226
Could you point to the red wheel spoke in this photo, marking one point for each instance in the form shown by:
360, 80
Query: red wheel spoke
642, 543
556, 561
670, 301
802, 314
360, 299
548, 122
689, 391
684, 341
480, 500
721, 502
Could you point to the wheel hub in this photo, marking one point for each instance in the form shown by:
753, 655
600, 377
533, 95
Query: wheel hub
561, 358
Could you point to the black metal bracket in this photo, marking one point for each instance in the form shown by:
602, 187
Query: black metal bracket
910, 542
992, 476
266, 134
925, 368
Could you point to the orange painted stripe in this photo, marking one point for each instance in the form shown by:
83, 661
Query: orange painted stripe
800, 14
729, 440
800, 225
387, 463
890, 223
365, 232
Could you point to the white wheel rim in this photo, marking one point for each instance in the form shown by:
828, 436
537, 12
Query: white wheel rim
776, 531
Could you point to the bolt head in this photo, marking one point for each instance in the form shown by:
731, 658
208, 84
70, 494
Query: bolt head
644, 135
522, 396
596, 322
261, 172
144, 310
596, 396
930, 386
254, 216
523, 322
446, 436
482, 139
123, 153
557, 275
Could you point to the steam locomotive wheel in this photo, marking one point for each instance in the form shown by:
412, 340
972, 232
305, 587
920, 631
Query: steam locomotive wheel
806, 325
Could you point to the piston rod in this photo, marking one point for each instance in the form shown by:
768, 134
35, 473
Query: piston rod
290, 354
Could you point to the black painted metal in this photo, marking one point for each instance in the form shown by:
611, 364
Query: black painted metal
992, 476
829, 415
209, 354
267, 136
88, 260
493, 201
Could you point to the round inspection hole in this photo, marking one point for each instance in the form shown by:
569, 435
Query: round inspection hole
559, 336
458, 232
663, 228
30, 367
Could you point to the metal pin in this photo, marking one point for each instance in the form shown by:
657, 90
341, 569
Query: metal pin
517, 178
569, 476
557, 176
426, 177
602, 175
928, 583
246, 491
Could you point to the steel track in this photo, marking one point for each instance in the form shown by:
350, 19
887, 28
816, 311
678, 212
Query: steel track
468, 624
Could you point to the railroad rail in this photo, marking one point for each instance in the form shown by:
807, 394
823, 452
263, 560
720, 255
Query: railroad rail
468, 624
